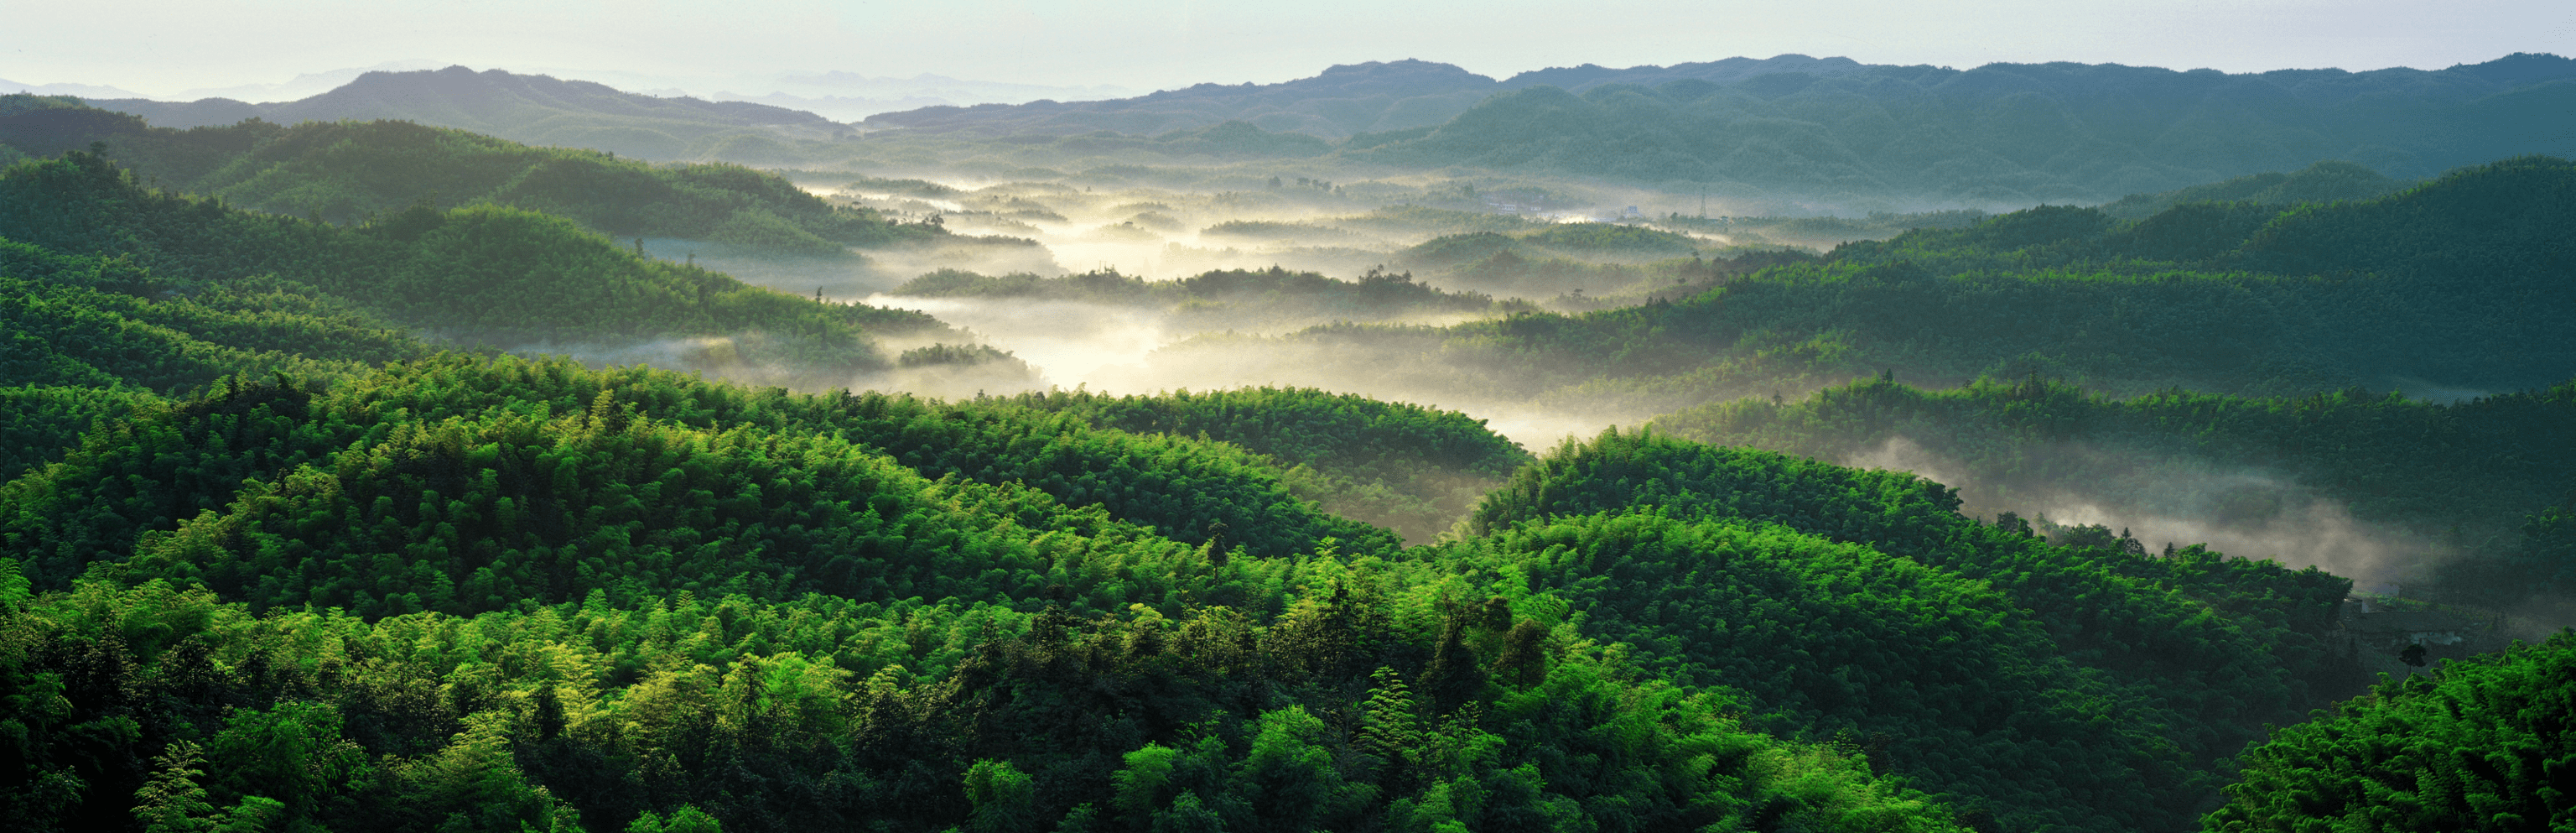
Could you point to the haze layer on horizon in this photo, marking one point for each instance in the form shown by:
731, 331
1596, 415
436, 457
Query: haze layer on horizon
160, 48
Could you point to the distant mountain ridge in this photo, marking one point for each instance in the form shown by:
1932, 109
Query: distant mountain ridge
1587, 76
535, 109
2003, 134
1342, 100
8, 86
1410, 94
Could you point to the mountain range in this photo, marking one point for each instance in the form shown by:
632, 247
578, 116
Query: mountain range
1343, 100
536, 109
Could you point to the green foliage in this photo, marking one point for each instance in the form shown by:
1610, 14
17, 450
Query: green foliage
947, 354
2448, 283
348, 172
301, 573
16, 103
101, 322
2548, 550
172, 802
38, 422
1612, 238
1412, 469
2482, 744
687, 714
1999, 134
486, 273
1710, 556
756, 229
2329, 181
687, 819
2479, 466
553, 482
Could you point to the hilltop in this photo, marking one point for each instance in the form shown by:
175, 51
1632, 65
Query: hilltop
1343, 100
535, 109
350, 171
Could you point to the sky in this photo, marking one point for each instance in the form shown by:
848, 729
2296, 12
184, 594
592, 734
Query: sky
161, 48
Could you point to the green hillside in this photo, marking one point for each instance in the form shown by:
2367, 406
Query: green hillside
2322, 182
1999, 134
295, 537
2101, 621
1412, 469
2470, 472
2451, 284
535, 109
306, 492
2482, 746
981, 611
476, 275
302, 499
347, 172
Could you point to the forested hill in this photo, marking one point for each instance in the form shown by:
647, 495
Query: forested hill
696, 601
487, 593
2453, 284
1832, 129
535, 109
272, 559
1412, 469
347, 171
690, 598
2484, 747
1862, 602
2480, 476
2006, 134
475, 275
1341, 101
2323, 182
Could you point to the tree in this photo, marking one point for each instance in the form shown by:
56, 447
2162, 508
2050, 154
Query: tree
1003, 798
172, 802
687, 819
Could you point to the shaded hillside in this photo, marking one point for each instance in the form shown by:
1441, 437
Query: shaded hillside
536, 109
484, 274
791, 545
2454, 284
2468, 475
2482, 746
1412, 469
1726, 71
345, 172
489, 593
1343, 100
1943, 639
2007, 133
1070, 675
2321, 182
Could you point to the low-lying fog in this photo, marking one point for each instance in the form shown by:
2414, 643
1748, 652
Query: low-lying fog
1140, 344
1163, 234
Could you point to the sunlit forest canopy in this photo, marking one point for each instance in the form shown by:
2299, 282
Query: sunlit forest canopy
1792, 444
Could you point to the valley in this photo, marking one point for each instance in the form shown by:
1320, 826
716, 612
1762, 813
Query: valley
1778, 444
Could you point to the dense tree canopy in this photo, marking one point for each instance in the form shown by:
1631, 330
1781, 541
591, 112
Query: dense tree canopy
275, 557
2484, 745
346, 172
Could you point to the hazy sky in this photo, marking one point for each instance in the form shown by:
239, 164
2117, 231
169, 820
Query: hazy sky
159, 47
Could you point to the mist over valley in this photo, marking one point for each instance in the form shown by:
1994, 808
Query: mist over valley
1750, 444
